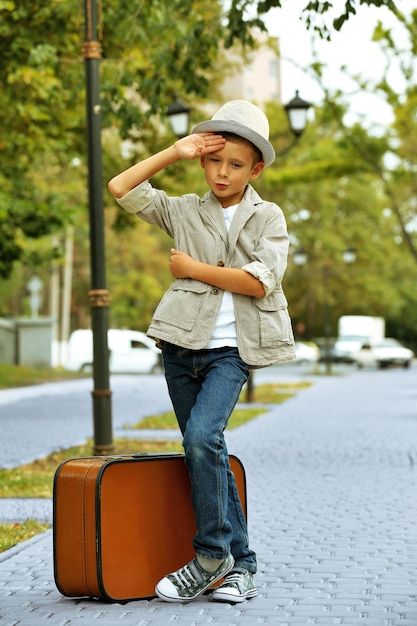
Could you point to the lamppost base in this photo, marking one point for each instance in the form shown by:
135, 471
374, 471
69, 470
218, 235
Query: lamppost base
103, 450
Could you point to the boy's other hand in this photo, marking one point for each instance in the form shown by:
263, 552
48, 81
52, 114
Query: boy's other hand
197, 145
180, 264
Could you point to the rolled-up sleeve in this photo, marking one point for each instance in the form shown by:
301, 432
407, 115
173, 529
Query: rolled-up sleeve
269, 258
262, 273
137, 198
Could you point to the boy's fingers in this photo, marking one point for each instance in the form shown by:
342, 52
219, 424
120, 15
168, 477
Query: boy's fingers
213, 143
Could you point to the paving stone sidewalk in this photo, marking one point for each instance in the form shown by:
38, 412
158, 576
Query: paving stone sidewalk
332, 513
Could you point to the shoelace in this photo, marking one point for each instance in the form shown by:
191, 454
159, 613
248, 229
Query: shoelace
185, 577
233, 579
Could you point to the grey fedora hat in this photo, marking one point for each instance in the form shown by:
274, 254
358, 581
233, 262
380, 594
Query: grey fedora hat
244, 119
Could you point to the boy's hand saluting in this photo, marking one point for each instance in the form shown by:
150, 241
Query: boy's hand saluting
197, 145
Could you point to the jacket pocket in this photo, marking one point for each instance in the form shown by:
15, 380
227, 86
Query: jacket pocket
274, 320
182, 303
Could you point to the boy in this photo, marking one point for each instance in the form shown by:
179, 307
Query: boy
224, 314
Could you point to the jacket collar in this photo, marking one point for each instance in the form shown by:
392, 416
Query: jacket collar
213, 211
250, 196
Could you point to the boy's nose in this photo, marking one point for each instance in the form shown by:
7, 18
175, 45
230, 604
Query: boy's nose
224, 170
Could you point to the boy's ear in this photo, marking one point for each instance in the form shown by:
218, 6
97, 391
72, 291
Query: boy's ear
202, 162
257, 169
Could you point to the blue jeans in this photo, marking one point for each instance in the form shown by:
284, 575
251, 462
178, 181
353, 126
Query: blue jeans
204, 386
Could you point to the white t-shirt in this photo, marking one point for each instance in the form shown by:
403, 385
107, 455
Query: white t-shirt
224, 333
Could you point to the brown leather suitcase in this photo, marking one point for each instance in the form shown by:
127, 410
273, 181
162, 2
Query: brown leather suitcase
122, 523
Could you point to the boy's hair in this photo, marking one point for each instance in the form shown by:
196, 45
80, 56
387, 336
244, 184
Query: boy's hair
233, 137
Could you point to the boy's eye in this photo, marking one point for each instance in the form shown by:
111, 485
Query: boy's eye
236, 165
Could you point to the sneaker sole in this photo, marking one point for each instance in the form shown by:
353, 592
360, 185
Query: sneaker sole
191, 598
223, 596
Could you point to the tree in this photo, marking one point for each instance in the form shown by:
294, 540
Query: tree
241, 24
355, 185
43, 94
393, 157
42, 98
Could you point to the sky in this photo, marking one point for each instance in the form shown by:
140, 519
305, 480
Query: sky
352, 46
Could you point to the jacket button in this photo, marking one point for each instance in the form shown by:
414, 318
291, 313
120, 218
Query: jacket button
220, 263
214, 291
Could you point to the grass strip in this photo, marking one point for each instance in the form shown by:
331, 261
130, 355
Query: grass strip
12, 534
168, 421
270, 393
12, 376
35, 480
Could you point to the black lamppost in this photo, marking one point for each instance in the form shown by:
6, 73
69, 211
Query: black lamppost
99, 296
179, 116
300, 258
296, 110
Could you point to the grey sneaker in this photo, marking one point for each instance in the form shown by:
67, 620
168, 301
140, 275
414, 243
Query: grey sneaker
190, 581
237, 586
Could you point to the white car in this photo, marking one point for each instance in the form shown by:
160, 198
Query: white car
384, 353
306, 352
345, 347
130, 352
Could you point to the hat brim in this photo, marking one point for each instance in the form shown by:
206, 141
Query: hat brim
229, 126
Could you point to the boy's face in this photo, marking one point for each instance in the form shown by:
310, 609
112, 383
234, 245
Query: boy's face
229, 170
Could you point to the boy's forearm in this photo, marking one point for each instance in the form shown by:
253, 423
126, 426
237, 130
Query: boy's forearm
230, 279
132, 177
190, 147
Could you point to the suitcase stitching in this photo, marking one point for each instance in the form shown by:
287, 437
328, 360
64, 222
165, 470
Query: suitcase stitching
87, 516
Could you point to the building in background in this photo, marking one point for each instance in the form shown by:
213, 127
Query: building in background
254, 75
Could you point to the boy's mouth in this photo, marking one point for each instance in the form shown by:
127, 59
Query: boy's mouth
221, 186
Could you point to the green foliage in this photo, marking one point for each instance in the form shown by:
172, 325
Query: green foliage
10, 249
138, 258
150, 51
347, 186
40, 92
156, 49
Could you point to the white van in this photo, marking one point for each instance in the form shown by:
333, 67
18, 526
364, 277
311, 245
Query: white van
130, 352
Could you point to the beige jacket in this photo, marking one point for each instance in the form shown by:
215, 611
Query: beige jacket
257, 242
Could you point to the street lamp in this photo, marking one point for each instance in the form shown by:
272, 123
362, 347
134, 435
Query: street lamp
300, 259
296, 110
349, 256
179, 116
98, 294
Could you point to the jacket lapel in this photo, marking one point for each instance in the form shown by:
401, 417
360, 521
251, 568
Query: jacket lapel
212, 211
245, 211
